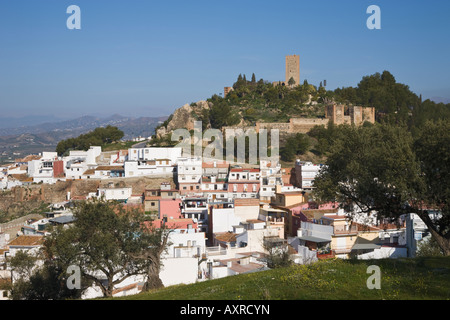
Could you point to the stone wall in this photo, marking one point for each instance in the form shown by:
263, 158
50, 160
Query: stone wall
355, 114
304, 125
283, 127
368, 114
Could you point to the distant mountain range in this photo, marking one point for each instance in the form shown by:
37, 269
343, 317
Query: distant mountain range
440, 100
18, 141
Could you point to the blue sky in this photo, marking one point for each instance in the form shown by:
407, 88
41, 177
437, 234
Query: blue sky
147, 58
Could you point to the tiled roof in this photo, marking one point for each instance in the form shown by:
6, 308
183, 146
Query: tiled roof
218, 165
244, 170
129, 287
89, 172
108, 168
246, 202
255, 221
22, 177
226, 237
27, 241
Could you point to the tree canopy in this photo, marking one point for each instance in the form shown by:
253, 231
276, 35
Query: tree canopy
97, 137
382, 169
109, 244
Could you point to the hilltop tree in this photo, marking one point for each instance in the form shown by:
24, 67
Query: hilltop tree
97, 137
291, 82
295, 145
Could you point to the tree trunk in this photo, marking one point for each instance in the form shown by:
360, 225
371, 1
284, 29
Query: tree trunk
153, 280
442, 241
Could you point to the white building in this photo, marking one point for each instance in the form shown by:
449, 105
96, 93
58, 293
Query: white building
306, 172
186, 243
151, 161
223, 220
43, 170
270, 176
78, 162
145, 154
119, 194
157, 167
197, 209
189, 173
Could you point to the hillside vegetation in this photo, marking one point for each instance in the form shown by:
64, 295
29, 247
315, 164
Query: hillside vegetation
253, 101
401, 279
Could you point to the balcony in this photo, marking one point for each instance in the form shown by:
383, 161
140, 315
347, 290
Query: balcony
350, 230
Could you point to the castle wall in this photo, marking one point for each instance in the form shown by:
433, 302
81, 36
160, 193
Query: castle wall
357, 115
368, 114
303, 125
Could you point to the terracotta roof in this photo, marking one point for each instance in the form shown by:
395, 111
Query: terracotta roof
238, 267
107, 168
324, 211
226, 237
27, 241
332, 217
5, 283
246, 202
89, 172
218, 165
291, 193
22, 177
129, 287
171, 223
244, 170
28, 158
255, 221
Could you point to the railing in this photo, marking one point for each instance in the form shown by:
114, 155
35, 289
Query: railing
352, 230
215, 251
324, 256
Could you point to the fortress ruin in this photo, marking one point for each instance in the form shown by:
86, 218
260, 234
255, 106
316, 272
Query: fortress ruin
337, 113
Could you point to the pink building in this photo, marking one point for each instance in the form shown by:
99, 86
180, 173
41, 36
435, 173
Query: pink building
244, 183
170, 208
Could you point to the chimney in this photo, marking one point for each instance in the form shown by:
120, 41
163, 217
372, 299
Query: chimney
229, 264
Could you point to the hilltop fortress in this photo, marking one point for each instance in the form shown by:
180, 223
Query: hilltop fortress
337, 113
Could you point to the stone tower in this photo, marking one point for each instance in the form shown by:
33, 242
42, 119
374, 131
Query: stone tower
293, 69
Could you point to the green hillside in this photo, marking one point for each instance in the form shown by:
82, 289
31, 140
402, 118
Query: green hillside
401, 279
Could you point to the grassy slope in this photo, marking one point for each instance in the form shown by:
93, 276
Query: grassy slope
405, 279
